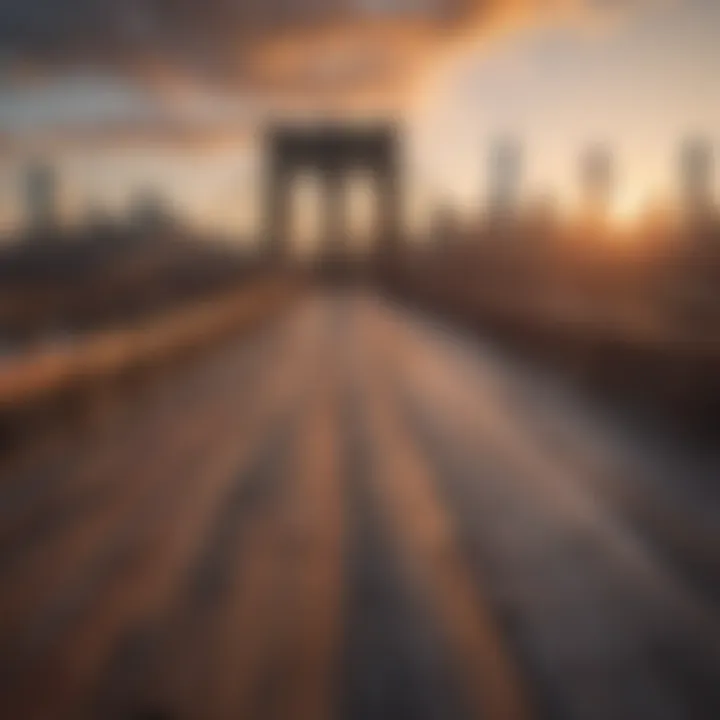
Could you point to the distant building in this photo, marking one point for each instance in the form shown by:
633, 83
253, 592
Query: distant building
504, 180
542, 217
597, 180
41, 199
696, 179
149, 213
98, 221
445, 226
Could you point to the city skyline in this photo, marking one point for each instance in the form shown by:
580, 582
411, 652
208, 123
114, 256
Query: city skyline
639, 83
40, 192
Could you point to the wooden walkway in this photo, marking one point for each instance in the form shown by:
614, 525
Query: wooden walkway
354, 514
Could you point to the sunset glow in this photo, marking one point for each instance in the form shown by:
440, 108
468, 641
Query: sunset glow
639, 80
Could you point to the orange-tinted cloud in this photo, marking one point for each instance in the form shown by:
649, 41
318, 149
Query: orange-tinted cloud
345, 56
319, 48
165, 133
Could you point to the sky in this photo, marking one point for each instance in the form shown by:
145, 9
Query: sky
120, 96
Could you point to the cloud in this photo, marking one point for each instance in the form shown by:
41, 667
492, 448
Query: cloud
325, 48
167, 133
281, 56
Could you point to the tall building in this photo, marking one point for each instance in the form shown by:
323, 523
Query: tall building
696, 178
41, 199
149, 212
445, 227
504, 179
597, 180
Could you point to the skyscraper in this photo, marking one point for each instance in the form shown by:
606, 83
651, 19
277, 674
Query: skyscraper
696, 179
444, 225
504, 179
149, 212
41, 199
596, 180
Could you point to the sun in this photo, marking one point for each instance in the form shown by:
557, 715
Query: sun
626, 210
